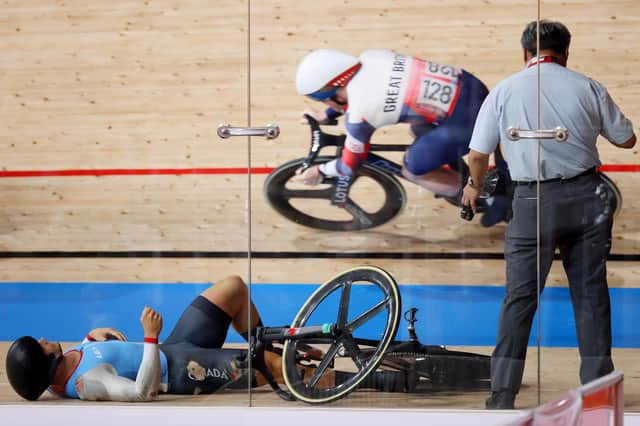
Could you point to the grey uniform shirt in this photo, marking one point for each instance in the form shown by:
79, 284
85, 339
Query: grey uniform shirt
568, 99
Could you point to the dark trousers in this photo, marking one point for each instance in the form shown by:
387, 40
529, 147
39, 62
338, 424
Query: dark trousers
575, 217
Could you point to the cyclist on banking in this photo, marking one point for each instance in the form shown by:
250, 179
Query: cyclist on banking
381, 87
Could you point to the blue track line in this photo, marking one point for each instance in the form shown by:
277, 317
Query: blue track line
448, 315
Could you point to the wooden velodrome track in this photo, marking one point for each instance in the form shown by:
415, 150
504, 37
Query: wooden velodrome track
134, 91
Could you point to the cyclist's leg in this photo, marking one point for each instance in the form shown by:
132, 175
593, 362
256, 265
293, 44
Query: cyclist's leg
231, 295
206, 320
425, 158
446, 143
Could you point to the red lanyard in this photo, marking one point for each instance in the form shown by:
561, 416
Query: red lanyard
543, 59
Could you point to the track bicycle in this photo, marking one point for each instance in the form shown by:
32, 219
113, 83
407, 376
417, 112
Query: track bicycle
344, 203
350, 323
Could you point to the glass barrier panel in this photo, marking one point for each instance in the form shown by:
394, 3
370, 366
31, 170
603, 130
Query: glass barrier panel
117, 193
365, 211
585, 330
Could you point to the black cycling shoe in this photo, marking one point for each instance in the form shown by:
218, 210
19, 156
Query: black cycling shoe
501, 400
498, 211
257, 350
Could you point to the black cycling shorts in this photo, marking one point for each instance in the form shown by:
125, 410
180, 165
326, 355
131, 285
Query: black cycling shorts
202, 324
196, 360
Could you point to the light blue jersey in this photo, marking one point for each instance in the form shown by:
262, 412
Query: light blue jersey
124, 357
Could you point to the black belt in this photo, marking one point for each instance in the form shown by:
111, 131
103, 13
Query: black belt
587, 172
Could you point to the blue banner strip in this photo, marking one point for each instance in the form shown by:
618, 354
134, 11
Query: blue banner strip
448, 315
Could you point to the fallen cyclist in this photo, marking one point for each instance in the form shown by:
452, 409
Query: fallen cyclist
105, 366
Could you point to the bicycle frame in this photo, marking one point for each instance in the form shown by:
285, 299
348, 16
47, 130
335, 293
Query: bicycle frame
384, 163
320, 139
281, 334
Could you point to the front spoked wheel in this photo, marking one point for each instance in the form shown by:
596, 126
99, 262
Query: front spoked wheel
363, 306
375, 197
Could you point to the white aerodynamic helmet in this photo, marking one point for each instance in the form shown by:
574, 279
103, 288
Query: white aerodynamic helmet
322, 72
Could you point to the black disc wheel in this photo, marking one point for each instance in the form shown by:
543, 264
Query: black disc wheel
375, 197
361, 305
615, 194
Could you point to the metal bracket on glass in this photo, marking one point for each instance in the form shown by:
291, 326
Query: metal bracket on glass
560, 134
271, 131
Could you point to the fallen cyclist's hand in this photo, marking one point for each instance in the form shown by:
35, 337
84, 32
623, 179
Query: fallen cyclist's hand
151, 323
106, 333
310, 176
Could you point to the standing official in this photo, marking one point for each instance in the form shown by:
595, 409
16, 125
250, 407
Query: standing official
575, 214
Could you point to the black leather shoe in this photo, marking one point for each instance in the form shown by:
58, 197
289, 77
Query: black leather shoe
501, 400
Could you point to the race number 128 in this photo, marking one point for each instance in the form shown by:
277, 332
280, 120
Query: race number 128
436, 93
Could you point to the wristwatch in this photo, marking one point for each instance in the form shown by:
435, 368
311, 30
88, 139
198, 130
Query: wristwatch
472, 184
